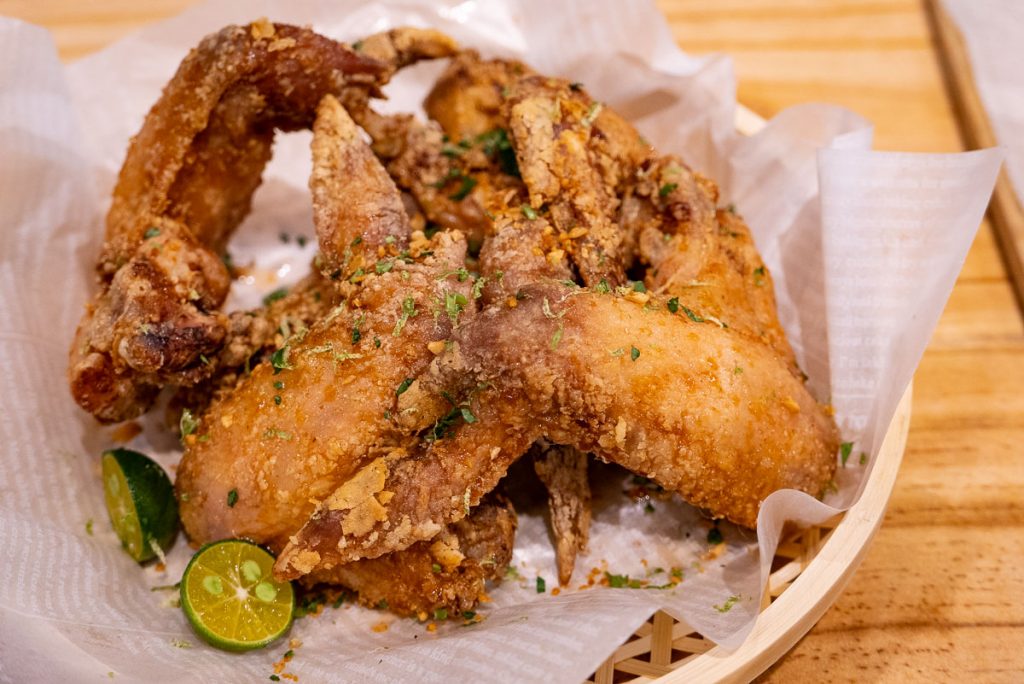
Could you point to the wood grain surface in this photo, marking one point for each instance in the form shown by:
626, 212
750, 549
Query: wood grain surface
940, 596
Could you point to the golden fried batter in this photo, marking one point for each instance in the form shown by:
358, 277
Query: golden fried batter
696, 408
449, 572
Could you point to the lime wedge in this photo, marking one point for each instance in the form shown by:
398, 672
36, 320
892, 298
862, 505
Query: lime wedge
140, 502
231, 598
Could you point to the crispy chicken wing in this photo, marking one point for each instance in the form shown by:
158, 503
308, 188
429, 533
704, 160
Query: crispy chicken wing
693, 406
186, 183
448, 572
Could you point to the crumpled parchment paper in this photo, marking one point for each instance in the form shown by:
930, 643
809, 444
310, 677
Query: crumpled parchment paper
864, 246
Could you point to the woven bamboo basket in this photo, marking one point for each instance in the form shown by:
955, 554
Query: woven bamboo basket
812, 568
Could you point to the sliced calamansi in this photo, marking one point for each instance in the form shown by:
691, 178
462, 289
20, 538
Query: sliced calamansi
140, 502
231, 599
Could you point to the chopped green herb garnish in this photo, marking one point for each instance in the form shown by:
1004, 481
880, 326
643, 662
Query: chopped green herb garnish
667, 189
188, 423
673, 304
467, 415
279, 360
384, 265
382, 604
278, 384
454, 302
541, 585
691, 315
529, 212
616, 581
639, 286
232, 498
356, 333
557, 337
844, 452
727, 606
478, 287
759, 276
497, 146
277, 399
602, 287
863, 457
441, 614
151, 232
435, 568
404, 386
634, 353
715, 536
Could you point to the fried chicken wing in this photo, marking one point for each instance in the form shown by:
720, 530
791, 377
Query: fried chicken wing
197, 161
691, 405
303, 423
449, 572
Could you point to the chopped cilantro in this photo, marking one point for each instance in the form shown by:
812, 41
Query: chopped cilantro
529, 212
639, 286
602, 287
715, 536
384, 265
557, 337
232, 498
467, 415
454, 302
376, 342
435, 568
844, 452
759, 276
441, 614
478, 287
278, 384
541, 585
691, 315
404, 386
382, 604
497, 146
727, 606
634, 353
673, 304
863, 457
667, 189
151, 232
356, 333
188, 423
279, 360
277, 399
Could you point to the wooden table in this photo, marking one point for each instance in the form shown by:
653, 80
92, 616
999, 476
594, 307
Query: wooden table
941, 593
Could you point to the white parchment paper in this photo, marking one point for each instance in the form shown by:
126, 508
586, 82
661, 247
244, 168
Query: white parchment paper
864, 246
994, 33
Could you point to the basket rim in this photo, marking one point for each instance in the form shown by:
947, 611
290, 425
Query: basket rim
799, 608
